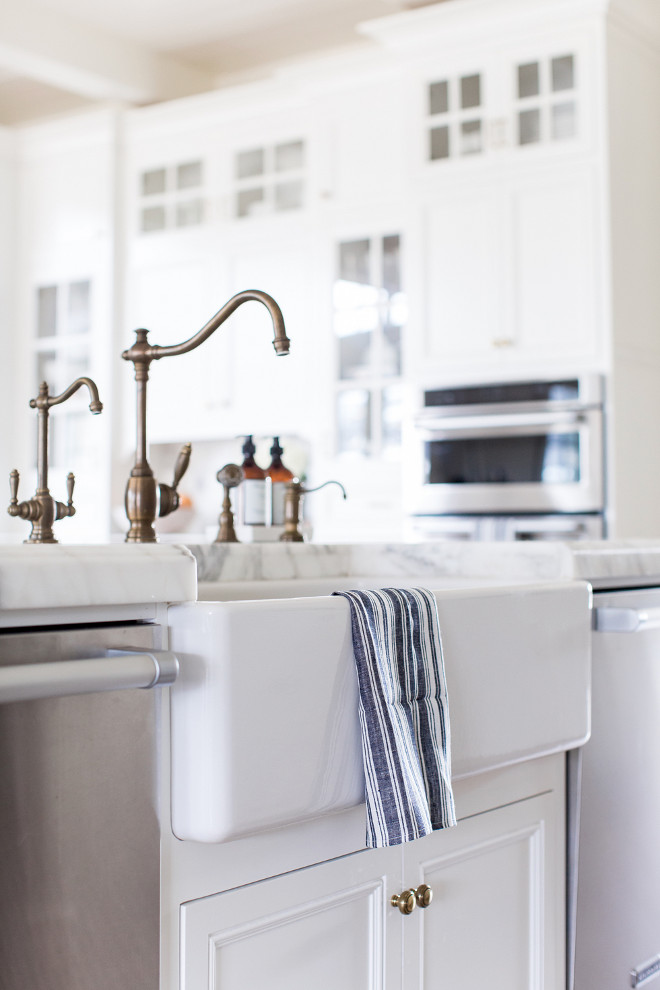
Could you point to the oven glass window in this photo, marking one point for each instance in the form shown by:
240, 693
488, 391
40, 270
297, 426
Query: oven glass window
546, 459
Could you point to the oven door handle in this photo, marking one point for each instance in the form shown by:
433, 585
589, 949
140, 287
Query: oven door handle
503, 424
118, 670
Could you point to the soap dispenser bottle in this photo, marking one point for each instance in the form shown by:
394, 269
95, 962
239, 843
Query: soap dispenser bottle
252, 490
279, 476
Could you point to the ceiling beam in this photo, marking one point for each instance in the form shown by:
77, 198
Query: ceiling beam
59, 51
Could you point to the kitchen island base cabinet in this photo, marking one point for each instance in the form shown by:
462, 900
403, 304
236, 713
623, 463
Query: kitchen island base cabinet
496, 918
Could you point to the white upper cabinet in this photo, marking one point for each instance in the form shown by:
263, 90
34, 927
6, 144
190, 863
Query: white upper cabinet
511, 273
508, 104
366, 140
189, 394
273, 395
466, 251
556, 244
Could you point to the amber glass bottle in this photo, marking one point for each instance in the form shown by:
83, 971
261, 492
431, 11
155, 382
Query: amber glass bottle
279, 475
252, 490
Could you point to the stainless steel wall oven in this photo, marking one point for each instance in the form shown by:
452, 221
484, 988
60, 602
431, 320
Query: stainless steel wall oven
513, 460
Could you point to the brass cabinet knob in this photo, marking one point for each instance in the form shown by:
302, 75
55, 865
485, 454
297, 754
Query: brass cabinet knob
405, 902
423, 895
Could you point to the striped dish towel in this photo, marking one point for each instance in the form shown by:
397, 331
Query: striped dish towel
403, 713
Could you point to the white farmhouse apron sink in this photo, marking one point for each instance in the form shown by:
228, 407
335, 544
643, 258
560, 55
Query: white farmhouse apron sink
264, 713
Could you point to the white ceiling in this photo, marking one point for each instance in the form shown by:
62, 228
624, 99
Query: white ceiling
59, 54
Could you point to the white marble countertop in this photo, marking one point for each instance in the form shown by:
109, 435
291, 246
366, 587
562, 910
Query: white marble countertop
606, 564
34, 577
56, 576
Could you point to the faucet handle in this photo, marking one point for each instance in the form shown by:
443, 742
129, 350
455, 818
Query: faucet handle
169, 497
62, 510
31, 509
14, 478
182, 462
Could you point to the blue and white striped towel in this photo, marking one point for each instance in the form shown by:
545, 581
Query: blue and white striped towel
403, 713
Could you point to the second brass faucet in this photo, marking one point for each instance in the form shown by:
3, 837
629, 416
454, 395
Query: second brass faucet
145, 498
42, 510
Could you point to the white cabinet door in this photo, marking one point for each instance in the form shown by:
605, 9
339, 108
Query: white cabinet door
187, 395
496, 916
511, 273
554, 266
277, 395
367, 137
324, 927
467, 254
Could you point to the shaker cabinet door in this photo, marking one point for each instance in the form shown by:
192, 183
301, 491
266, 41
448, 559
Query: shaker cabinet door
495, 918
466, 275
555, 265
323, 927
187, 395
276, 395
511, 273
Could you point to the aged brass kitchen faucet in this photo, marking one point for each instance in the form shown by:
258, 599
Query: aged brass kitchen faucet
42, 510
145, 498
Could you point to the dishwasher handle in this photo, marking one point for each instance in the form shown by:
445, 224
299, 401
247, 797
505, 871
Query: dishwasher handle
625, 620
118, 670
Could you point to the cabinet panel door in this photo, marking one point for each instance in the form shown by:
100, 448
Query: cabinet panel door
277, 395
495, 918
467, 258
554, 267
323, 927
367, 154
186, 394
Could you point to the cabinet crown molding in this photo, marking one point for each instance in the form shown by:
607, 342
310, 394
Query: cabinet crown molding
470, 18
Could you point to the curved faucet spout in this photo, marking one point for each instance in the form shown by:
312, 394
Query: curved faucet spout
141, 352
45, 401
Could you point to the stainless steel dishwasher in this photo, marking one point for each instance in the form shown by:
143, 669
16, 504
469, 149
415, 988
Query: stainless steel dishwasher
79, 829
618, 902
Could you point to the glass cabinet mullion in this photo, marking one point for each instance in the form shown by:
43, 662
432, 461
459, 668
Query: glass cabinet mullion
368, 341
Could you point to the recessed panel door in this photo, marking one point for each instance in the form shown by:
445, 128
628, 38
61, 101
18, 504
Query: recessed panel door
323, 927
493, 918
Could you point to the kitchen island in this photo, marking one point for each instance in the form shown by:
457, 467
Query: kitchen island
263, 873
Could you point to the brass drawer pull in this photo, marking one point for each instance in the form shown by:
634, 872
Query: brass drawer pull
414, 897
406, 902
423, 895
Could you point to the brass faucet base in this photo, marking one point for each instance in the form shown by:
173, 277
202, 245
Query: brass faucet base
141, 506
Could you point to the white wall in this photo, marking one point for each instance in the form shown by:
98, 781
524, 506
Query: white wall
634, 156
8, 446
